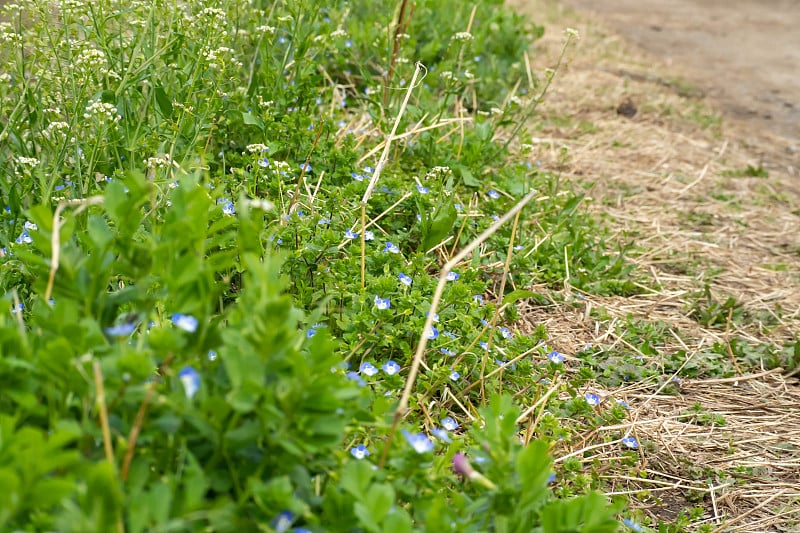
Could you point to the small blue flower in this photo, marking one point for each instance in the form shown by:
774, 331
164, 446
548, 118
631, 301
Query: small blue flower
452, 276
552, 477
20, 307
493, 194
405, 280
484, 345
263, 162
441, 434
450, 335
185, 322
310, 333
418, 441
368, 169
555, 357
350, 234
632, 525
282, 522
435, 316
212, 355
323, 221
228, 208
623, 403
422, 189
368, 235
358, 177
391, 248
505, 333
121, 330
449, 423
305, 167
478, 298
495, 217
518, 247
432, 333
191, 381
448, 352
391, 367
454, 375
592, 399
24, 238
458, 207
359, 452
382, 303
368, 369
630, 442
354, 376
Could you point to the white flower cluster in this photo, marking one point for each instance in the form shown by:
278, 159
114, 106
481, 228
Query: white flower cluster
215, 57
8, 35
56, 131
31, 162
161, 161
269, 30
462, 36
89, 59
102, 111
212, 19
438, 172
257, 148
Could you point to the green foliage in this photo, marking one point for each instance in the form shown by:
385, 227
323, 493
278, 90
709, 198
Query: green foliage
184, 186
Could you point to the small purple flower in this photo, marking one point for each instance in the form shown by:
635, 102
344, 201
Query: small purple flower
382, 303
359, 452
368, 369
461, 465
391, 367
191, 381
630, 442
405, 280
448, 352
432, 333
452, 276
391, 248
555, 357
350, 234
185, 322
493, 194
449, 423
418, 441
592, 399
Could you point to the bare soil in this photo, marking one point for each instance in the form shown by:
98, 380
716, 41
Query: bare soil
744, 54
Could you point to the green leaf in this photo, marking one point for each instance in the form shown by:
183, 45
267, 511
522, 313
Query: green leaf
252, 120
379, 499
519, 294
398, 521
164, 102
466, 176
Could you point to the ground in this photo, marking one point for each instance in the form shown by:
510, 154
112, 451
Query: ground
687, 147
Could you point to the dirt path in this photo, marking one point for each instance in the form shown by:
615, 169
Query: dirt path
712, 204
744, 54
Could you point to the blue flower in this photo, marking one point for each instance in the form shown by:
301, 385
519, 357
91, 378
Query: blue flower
323, 221
191, 381
305, 167
623, 403
450, 335
368, 369
391, 248
484, 345
121, 330
592, 399
432, 333
405, 280
505, 333
552, 477
369, 236
228, 208
310, 333
185, 322
382, 303
493, 194
350, 234
441, 434
454, 375
449, 423
354, 376
448, 352
24, 238
212, 355
359, 452
348, 43
282, 522
368, 169
452, 276
422, 189
391, 367
630, 442
19, 307
555, 357
435, 316
358, 177
419, 442
632, 525
458, 207
263, 162
478, 299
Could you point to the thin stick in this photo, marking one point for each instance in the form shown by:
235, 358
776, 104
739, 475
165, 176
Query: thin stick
101, 403
402, 408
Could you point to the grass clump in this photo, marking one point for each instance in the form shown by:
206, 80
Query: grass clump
211, 319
